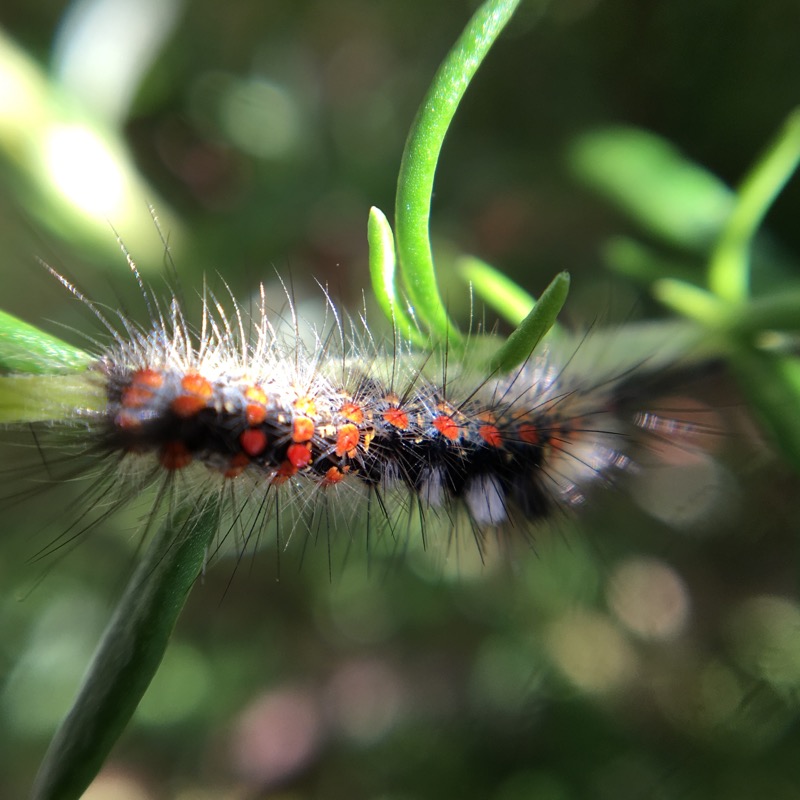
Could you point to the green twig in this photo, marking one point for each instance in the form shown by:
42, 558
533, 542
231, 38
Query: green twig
729, 270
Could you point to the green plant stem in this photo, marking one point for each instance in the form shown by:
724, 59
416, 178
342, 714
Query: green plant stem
128, 655
729, 270
421, 155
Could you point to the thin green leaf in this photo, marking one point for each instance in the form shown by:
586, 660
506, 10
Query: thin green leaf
729, 271
654, 184
421, 155
128, 655
642, 264
382, 265
524, 340
24, 348
691, 301
505, 296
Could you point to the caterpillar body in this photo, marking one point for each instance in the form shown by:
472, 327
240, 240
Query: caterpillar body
247, 408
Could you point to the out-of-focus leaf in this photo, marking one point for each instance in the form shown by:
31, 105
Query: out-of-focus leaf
654, 184
48, 398
729, 271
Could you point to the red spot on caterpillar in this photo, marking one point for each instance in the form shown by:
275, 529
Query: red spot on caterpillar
254, 415
305, 406
352, 412
299, 455
198, 392
187, 405
397, 418
333, 476
197, 386
136, 396
491, 435
529, 433
253, 441
347, 437
302, 429
255, 411
175, 455
149, 378
447, 426
127, 421
559, 437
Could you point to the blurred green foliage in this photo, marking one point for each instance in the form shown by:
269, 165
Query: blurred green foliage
262, 132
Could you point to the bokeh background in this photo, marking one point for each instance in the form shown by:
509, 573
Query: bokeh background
618, 657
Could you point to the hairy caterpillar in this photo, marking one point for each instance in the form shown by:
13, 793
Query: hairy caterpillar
242, 405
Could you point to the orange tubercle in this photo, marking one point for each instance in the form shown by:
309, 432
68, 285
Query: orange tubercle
352, 412
299, 455
491, 435
196, 385
447, 426
347, 437
253, 441
187, 405
397, 418
303, 430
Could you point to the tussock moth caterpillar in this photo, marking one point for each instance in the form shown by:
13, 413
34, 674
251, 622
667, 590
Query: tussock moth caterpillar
244, 405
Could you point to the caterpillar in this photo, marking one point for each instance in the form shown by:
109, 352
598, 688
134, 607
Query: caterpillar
287, 429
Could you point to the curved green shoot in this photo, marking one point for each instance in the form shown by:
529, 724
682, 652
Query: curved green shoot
128, 655
382, 263
729, 270
421, 155
524, 340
